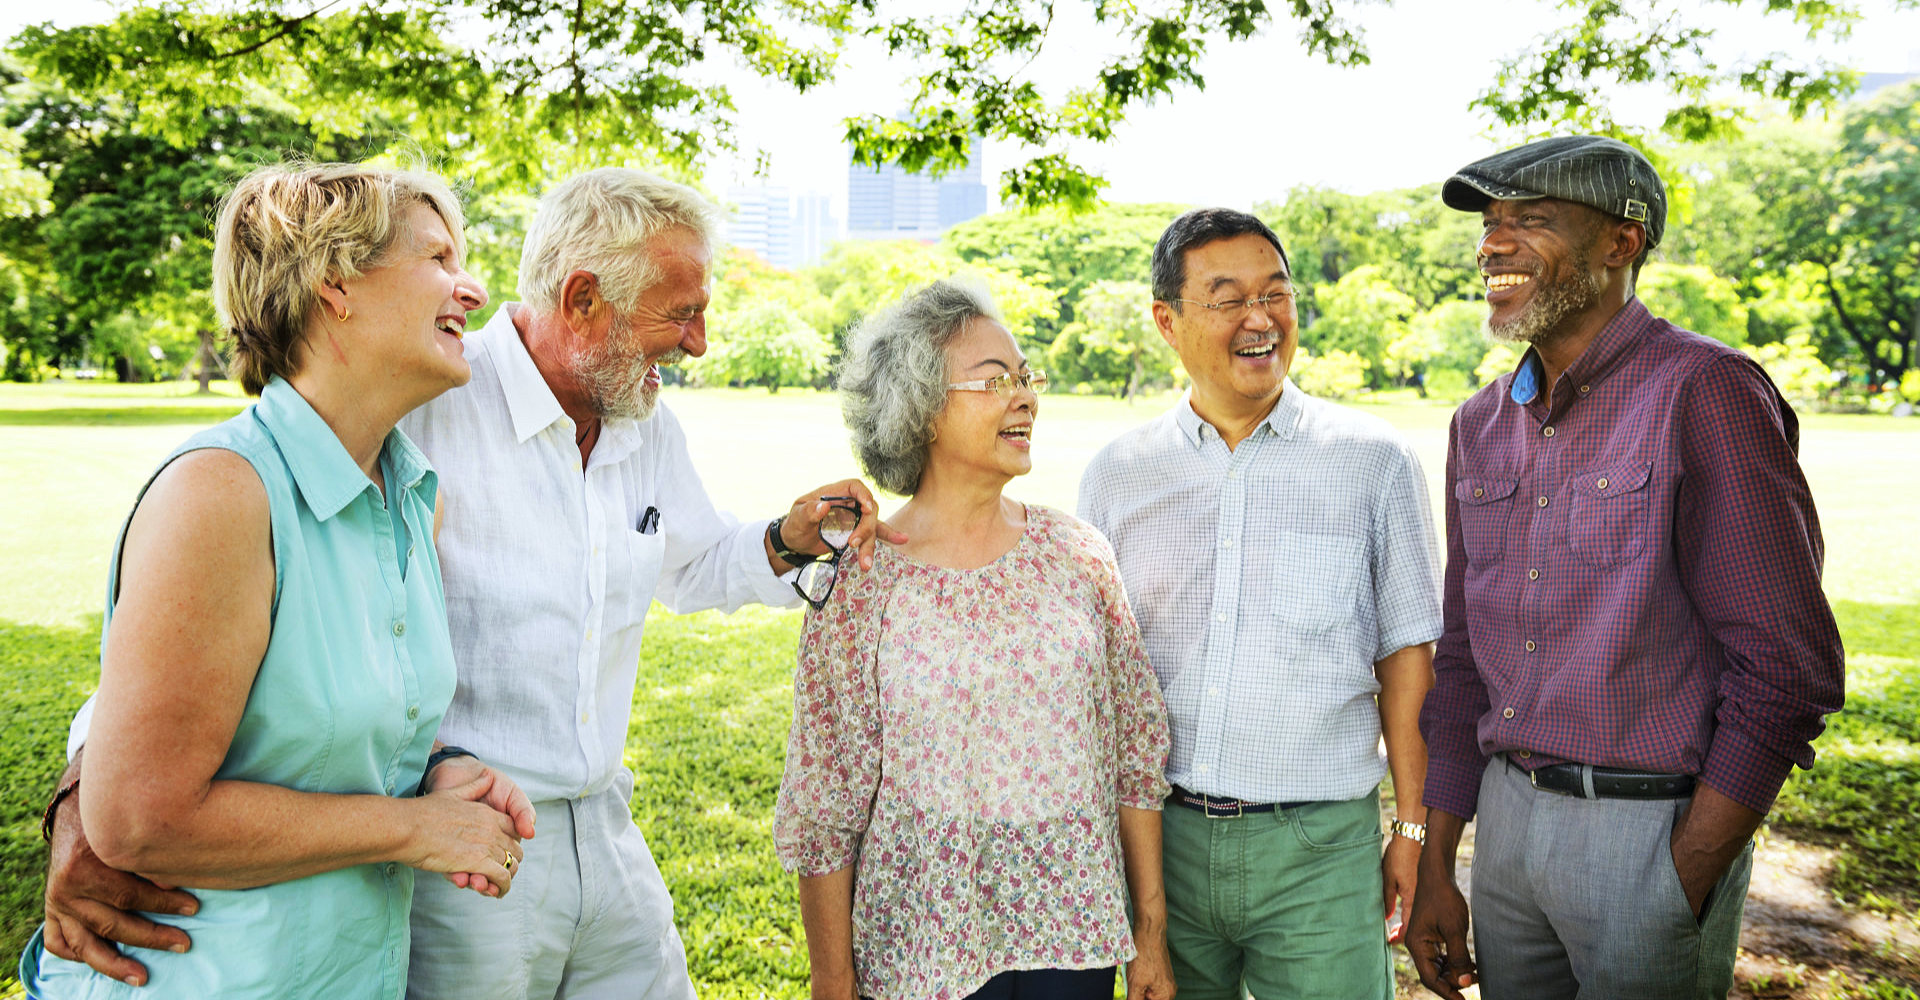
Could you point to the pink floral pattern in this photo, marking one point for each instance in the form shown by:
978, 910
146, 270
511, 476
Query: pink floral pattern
966, 738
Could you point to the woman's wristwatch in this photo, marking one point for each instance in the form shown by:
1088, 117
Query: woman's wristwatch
1416, 832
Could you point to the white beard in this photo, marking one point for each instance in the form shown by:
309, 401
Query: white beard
615, 378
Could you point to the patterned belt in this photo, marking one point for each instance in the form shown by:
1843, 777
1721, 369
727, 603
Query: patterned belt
1216, 807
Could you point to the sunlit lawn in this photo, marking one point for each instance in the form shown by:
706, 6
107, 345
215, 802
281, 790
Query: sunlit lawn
712, 706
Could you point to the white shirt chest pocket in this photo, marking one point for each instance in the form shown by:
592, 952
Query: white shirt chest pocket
637, 574
1317, 580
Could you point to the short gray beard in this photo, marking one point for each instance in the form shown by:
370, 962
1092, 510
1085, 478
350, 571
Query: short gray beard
1539, 323
615, 377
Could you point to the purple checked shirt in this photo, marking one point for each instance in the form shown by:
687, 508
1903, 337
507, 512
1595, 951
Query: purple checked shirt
1633, 573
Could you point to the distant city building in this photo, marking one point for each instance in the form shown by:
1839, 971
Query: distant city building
891, 204
1870, 82
814, 228
762, 222
787, 232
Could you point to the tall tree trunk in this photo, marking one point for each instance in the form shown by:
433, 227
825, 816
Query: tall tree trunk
208, 358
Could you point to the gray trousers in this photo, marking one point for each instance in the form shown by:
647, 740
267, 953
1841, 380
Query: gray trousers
1578, 899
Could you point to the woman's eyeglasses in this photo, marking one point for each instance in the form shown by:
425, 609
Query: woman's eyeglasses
816, 579
1005, 383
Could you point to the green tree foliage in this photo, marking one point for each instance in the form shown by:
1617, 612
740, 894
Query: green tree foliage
1114, 344
558, 80
1796, 370
766, 343
1692, 297
1069, 252
1838, 210
1500, 360
1361, 314
126, 235
1441, 348
1334, 374
1424, 248
855, 278
1565, 80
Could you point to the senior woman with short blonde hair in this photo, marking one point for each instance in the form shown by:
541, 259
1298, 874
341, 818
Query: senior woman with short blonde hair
974, 774
275, 659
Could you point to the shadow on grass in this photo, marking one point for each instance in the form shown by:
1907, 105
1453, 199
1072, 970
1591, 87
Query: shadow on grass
1863, 796
45, 673
122, 416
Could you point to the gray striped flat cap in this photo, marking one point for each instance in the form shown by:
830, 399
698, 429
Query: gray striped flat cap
1606, 174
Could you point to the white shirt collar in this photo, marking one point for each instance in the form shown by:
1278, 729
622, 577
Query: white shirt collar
530, 403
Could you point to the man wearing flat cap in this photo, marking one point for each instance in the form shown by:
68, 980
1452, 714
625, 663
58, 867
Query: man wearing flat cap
1636, 649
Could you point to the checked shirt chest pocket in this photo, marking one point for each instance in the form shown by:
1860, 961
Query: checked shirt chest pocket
1607, 516
1324, 573
1485, 506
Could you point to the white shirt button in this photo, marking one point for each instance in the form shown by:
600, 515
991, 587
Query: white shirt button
399, 629
1220, 616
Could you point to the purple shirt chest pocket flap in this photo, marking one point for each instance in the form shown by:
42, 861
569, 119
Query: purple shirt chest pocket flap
1607, 522
1485, 509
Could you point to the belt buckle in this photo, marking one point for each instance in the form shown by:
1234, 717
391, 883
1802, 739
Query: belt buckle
1534, 776
1237, 807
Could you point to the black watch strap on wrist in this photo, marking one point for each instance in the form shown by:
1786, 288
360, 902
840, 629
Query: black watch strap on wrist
779, 545
437, 758
53, 806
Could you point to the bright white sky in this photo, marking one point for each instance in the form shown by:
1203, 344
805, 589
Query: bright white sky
1271, 116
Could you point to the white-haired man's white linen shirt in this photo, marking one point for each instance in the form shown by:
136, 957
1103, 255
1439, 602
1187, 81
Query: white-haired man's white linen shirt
548, 573
1267, 580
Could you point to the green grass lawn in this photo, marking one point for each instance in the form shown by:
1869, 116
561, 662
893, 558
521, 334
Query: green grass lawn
713, 702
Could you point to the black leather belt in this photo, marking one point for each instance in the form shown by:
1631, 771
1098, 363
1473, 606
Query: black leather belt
1584, 781
1216, 807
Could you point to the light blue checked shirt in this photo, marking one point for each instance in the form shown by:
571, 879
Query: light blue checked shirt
1267, 581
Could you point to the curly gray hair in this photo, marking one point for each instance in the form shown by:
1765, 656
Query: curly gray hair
894, 380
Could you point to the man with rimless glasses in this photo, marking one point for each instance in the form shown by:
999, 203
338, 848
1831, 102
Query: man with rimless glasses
1279, 553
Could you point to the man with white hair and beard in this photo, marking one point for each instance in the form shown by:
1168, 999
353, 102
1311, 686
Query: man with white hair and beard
1636, 648
568, 506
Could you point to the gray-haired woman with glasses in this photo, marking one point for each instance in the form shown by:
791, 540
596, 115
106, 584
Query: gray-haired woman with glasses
975, 770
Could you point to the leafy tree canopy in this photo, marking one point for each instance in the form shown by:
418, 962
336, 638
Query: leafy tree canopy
524, 87
1830, 212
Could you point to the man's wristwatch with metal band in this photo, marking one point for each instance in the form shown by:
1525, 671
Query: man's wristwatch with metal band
779, 545
1416, 832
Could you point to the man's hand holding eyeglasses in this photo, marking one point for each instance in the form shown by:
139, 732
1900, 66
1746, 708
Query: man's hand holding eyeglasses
800, 526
